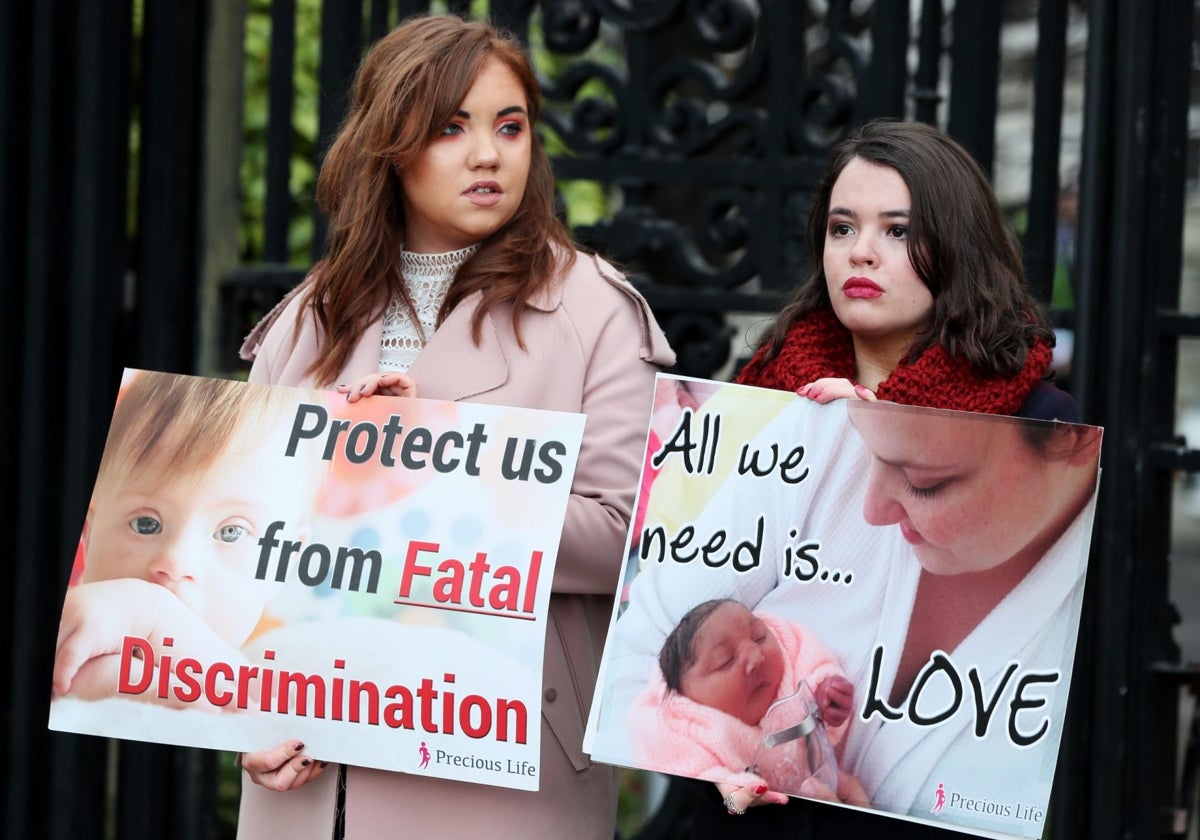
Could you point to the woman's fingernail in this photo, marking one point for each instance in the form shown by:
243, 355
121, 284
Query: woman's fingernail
324, 764
299, 746
863, 392
760, 790
305, 763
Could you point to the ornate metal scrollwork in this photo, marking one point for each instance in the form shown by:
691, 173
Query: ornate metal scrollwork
638, 15
570, 26
710, 157
724, 25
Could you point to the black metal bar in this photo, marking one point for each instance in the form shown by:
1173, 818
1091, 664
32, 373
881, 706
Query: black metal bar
1174, 323
43, 214
280, 98
1155, 706
1169, 457
1112, 570
16, 61
975, 55
264, 275
169, 181
888, 74
1139, 266
166, 299
378, 24
94, 318
780, 24
1044, 187
341, 49
925, 92
410, 8
1071, 813
1095, 194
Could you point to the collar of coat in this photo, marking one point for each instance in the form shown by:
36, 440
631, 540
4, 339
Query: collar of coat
449, 370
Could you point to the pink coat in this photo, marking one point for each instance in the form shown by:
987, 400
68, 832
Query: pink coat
676, 735
591, 346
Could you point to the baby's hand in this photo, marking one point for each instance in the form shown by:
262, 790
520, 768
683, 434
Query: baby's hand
387, 383
835, 699
98, 616
829, 389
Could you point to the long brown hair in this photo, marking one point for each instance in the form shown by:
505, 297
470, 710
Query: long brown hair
959, 244
183, 424
407, 89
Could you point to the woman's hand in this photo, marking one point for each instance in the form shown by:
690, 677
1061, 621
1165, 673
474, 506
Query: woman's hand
828, 389
284, 768
835, 698
387, 383
738, 799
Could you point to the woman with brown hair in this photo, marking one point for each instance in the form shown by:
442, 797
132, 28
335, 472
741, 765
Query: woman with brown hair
917, 291
916, 296
448, 273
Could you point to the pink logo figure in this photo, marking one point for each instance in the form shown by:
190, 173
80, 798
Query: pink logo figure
939, 798
424, 750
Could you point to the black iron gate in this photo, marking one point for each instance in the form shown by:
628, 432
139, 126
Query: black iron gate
704, 136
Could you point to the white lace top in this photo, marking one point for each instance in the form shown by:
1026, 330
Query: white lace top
428, 278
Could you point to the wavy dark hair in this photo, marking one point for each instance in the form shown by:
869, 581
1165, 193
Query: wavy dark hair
959, 243
407, 89
678, 654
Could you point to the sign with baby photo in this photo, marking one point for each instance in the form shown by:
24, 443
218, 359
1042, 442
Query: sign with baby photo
261, 564
861, 602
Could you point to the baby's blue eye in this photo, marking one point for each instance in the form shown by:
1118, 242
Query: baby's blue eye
145, 525
229, 533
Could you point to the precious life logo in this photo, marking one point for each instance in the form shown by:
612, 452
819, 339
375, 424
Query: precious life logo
939, 799
957, 802
425, 756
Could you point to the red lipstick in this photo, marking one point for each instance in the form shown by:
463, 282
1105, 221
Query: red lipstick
861, 287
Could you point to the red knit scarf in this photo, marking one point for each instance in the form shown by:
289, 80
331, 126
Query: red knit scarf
819, 346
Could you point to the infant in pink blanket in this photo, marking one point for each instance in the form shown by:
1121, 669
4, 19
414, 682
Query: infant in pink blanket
721, 668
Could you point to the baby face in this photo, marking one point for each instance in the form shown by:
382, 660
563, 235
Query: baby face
737, 664
197, 534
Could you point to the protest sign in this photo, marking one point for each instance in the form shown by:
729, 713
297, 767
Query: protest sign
861, 602
263, 563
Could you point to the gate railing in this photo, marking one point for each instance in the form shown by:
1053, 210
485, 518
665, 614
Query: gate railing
704, 137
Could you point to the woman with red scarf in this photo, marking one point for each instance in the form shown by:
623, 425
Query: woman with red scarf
916, 296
